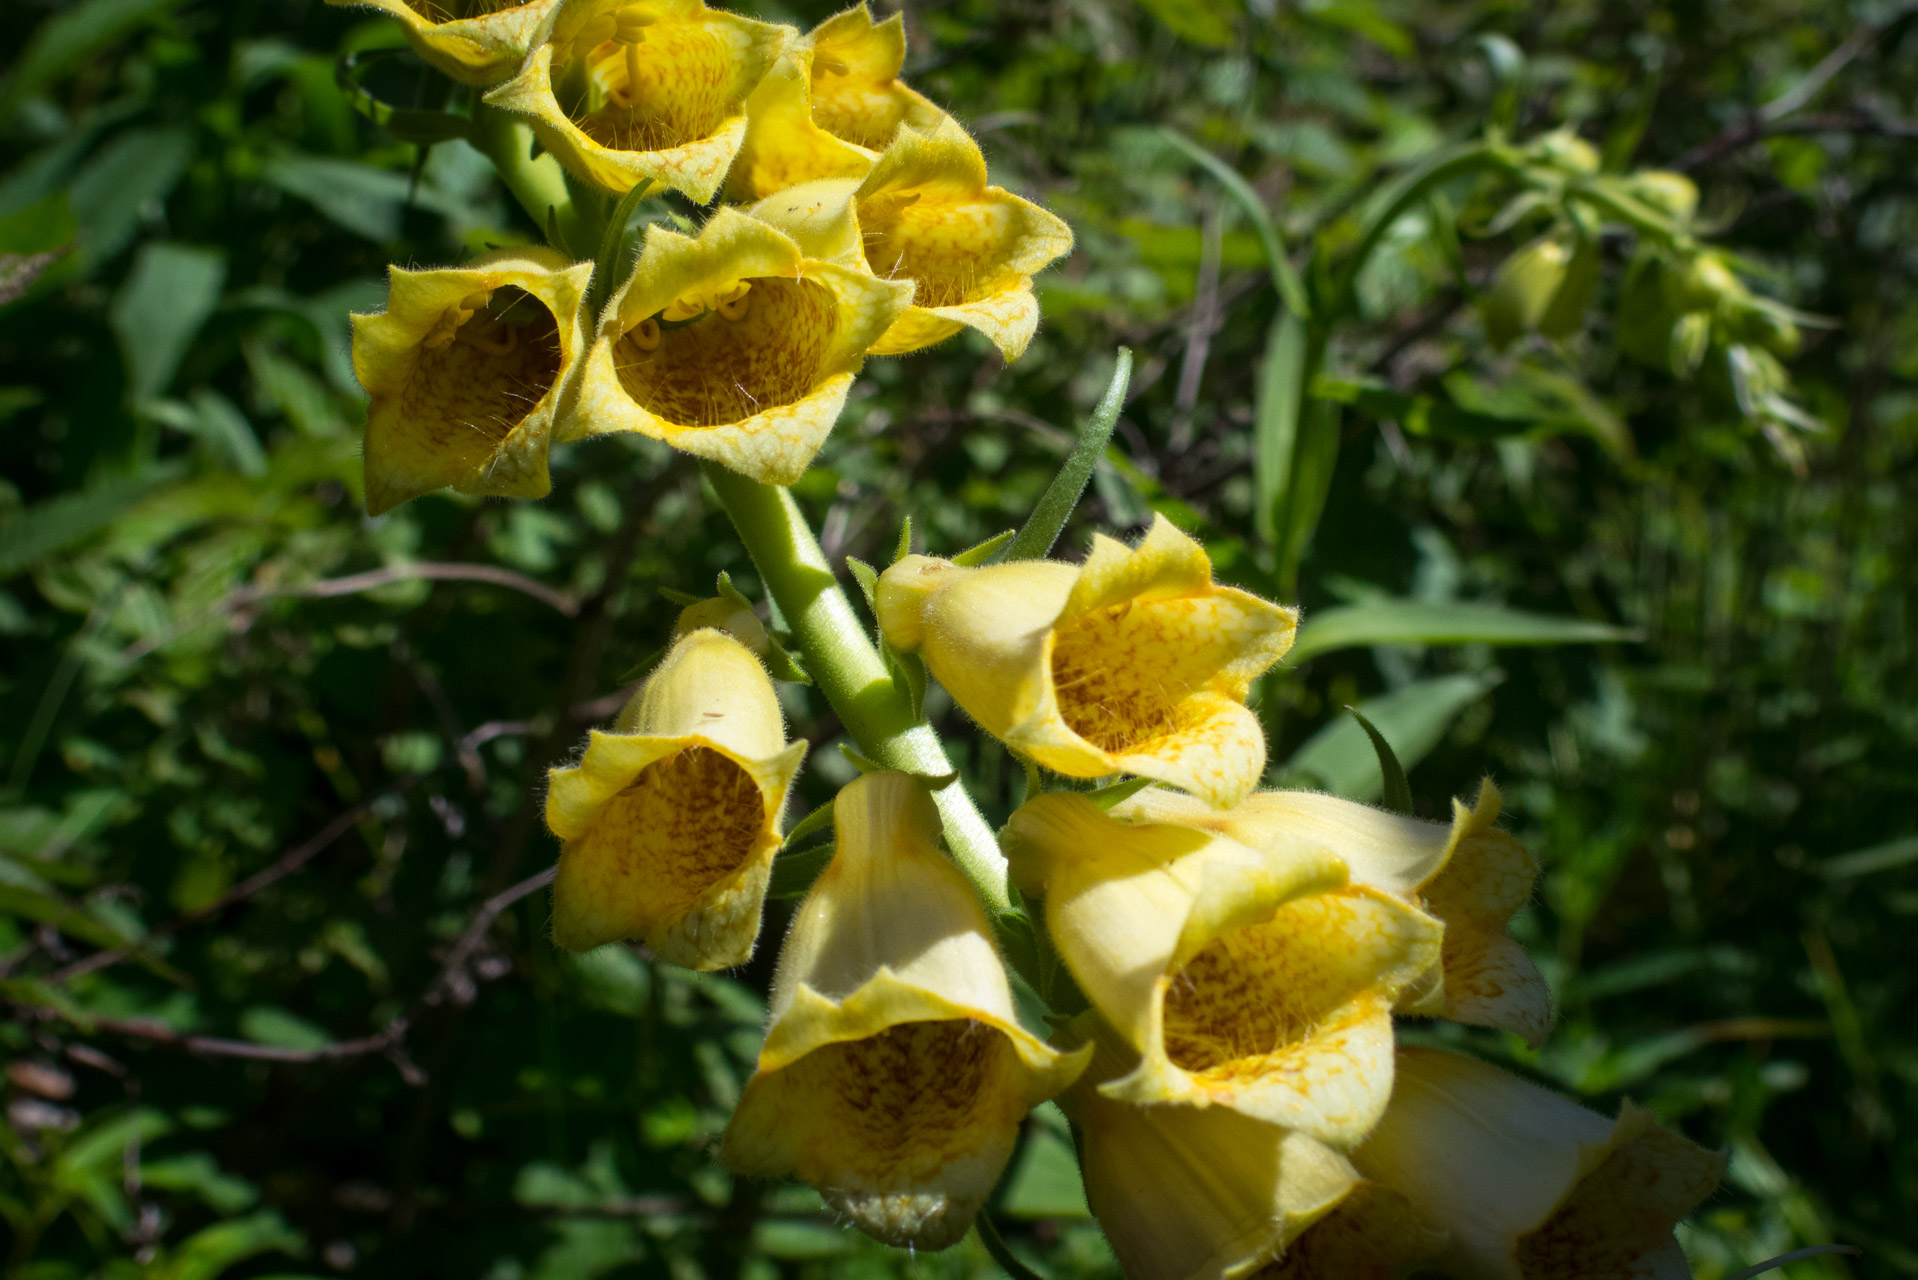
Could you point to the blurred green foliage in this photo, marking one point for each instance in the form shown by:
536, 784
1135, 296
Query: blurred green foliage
1721, 792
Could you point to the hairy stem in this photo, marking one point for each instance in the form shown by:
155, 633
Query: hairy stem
537, 182
843, 661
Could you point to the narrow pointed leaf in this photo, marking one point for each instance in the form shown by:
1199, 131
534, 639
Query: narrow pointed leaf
1062, 495
1356, 626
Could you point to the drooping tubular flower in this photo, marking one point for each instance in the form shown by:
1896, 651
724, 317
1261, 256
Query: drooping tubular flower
1259, 982
1530, 1186
465, 370
1135, 661
475, 41
1470, 875
894, 1073
783, 147
925, 213
624, 91
671, 821
857, 94
1189, 1193
732, 346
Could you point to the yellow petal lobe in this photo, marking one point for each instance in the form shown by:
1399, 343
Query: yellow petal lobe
479, 42
857, 94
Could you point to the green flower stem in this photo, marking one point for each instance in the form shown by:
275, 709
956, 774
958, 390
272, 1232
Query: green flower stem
537, 182
843, 661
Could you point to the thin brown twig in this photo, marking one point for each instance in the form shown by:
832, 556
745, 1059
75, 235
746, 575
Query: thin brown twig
1754, 130
353, 584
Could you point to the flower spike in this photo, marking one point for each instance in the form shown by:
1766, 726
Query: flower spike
671, 821
894, 1073
475, 41
1533, 1187
1185, 1193
1135, 661
856, 91
465, 371
1259, 983
1470, 875
925, 213
625, 91
732, 346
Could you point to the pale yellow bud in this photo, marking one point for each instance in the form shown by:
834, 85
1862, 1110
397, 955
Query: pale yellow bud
1135, 661
1530, 1186
1257, 981
895, 1072
671, 821
1468, 874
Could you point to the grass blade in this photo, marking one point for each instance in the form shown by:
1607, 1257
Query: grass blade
1055, 505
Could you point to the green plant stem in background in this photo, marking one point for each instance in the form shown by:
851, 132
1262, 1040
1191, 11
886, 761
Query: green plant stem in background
537, 182
845, 664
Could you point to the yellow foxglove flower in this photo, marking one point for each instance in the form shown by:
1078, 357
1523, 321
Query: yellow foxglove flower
624, 91
1189, 1193
895, 1073
1134, 661
1530, 1186
732, 346
671, 821
465, 371
783, 147
1259, 982
475, 41
926, 214
856, 91
1470, 875
1373, 1234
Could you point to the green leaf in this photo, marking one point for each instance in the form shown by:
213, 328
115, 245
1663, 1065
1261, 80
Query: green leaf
366, 201
167, 296
983, 552
68, 38
212, 1251
1045, 1183
1398, 791
50, 527
1355, 626
868, 579
793, 873
1414, 719
40, 227
1201, 22
819, 819
1880, 857
135, 171
1284, 278
1055, 505
264, 1024
1276, 422
1106, 797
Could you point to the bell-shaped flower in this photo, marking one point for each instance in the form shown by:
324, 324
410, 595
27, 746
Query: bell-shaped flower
895, 1073
1135, 661
857, 94
783, 147
1263, 983
732, 346
1530, 1186
465, 371
1470, 875
671, 821
1190, 1193
625, 91
474, 41
925, 213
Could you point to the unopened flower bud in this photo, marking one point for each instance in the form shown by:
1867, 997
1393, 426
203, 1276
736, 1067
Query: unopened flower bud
1522, 290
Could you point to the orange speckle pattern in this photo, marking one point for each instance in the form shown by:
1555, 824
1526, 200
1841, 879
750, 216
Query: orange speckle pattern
716, 370
690, 82
955, 244
1124, 674
684, 824
464, 396
1617, 1223
1270, 999
886, 1117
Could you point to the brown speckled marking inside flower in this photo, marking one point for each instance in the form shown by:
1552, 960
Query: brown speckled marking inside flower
1618, 1220
684, 824
688, 85
953, 243
716, 370
466, 394
1374, 1234
1121, 672
891, 1112
1259, 1000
